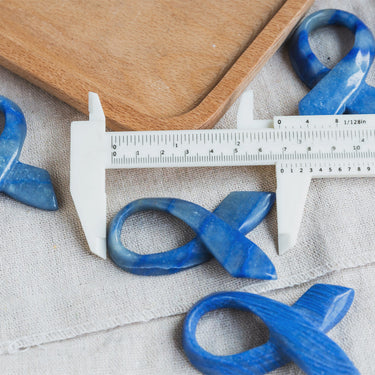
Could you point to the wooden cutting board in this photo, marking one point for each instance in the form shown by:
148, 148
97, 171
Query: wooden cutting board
167, 64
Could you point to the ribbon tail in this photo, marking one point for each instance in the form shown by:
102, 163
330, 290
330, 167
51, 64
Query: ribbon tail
237, 254
244, 210
30, 185
364, 102
325, 305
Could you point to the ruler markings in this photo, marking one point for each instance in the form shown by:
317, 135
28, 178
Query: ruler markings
335, 148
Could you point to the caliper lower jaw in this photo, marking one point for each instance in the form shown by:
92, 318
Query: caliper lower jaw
87, 175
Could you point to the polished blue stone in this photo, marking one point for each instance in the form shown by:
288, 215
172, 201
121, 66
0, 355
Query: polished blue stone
25, 183
342, 89
297, 333
219, 234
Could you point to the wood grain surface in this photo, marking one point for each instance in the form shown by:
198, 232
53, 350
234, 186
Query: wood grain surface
168, 64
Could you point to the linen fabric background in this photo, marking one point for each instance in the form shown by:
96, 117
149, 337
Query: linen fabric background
65, 311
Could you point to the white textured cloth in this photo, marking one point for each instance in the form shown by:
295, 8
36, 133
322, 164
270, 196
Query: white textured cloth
154, 347
53, 289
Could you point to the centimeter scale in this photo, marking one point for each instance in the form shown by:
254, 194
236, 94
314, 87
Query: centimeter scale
301, 148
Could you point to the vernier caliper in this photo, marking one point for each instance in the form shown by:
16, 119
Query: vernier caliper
301, 148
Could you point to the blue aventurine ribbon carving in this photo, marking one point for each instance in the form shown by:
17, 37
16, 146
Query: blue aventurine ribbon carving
219, 234
25, 183
342, 89
297, 333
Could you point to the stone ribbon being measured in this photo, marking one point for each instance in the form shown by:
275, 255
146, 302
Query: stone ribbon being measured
25, 183
342, 89
297, 333
220, 234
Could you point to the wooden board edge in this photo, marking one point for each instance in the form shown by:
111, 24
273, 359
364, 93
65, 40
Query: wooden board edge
216, 103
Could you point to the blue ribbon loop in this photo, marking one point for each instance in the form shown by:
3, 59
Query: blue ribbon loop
297, 333
219, 234
25, 183
342, 89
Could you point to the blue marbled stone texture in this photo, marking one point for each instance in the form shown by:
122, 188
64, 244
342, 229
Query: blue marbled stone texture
342, 89
219, 234
25, 183
297, 333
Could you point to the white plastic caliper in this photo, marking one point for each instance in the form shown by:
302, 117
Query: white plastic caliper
301, 148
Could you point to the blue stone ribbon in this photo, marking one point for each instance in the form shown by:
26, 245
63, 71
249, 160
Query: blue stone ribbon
342, 89
219, 234
297, 333
25, 183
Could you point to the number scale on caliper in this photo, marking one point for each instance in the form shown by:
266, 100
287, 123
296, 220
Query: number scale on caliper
314, 151
301, 147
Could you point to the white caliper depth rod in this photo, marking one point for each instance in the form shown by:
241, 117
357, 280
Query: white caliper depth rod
301, 147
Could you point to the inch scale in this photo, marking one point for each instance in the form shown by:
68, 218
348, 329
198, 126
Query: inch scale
301, 148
